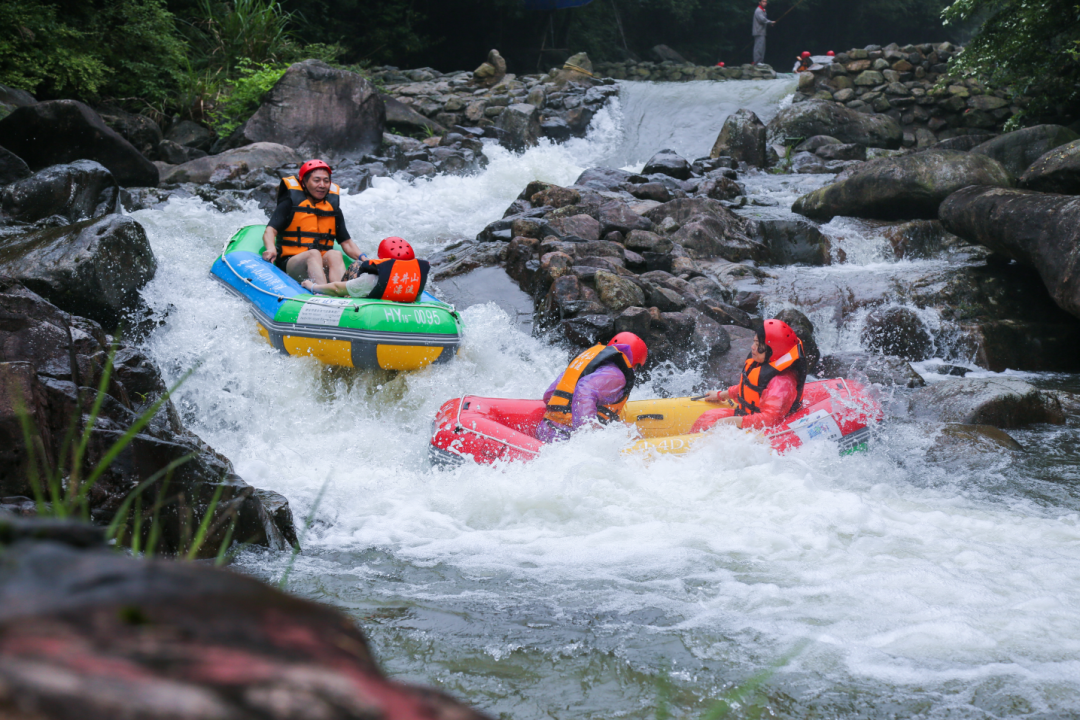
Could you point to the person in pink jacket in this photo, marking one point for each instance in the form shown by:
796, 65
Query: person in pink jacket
771, 385
599, 383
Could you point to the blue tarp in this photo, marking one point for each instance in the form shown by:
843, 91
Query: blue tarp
554, 4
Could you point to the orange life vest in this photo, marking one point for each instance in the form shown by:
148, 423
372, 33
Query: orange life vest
756, 377
404, 282
313, 226
560, 406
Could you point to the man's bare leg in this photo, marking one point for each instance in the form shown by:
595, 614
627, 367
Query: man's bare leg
307, 265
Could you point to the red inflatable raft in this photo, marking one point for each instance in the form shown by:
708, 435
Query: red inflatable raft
488, 429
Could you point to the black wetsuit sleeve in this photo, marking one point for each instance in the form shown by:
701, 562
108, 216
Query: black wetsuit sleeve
282, 214
340, 230
425, 267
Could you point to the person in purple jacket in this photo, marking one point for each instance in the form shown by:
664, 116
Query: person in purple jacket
593, 389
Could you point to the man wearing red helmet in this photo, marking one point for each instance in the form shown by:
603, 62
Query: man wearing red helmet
593, 389
396, 275
803, 62
300, 236
771, 385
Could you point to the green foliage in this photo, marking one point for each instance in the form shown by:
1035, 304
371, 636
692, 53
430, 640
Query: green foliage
1030, 46
253, 30
37, 49
243, 95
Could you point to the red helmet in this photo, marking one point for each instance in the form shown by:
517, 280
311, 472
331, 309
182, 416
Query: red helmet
639, 353
396, 248
779, 337
719, 64
805, 54
831, 54
313, 165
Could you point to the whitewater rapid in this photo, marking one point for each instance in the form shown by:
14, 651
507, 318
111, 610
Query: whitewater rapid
571, 586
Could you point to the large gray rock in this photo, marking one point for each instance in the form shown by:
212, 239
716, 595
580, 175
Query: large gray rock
1035, 229
72, 191
1057, 171
821, 117
617, 293
743, 138
1001, 402
668, 162
191, 134
708, 229
318, 110
791, 241
232, 164
1016, 151
12, 167
62, 131
902, 188
519, 126
139, 130
93, 268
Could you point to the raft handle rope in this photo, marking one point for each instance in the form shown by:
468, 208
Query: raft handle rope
458, 427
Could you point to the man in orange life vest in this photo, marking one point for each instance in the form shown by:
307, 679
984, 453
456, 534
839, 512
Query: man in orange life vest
593, 389
300, 236
397, 275
771, 386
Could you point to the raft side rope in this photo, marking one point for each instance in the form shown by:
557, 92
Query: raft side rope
458, 427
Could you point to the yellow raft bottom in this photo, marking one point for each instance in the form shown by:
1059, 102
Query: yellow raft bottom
665, 424
339, 352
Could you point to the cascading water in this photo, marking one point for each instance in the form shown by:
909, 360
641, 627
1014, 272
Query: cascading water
570, 587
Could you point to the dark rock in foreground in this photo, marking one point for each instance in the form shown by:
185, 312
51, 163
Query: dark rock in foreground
94, 635
1036, 229
1003, 403
72, 191
903, 188
62, 131
93, 268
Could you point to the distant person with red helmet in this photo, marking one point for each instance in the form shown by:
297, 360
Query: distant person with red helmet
803, 62
593, 389
300, 236
396, 275
771, 386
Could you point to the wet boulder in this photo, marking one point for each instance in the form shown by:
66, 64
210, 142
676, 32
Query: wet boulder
400, 118
919, 239
232, 164
743, 139
902, 188
707, 229
94, 268
1001, 402
668, 162
726, 370
603, 179
877, 369
1057, 171
317, 110
1016, 151
616, 216
139, 130
617, 293
841, 151
176, 154
965, 447
791, 241
91, 633
72, 191
12, 167
519, 126
897, 331
812, 144
822, 117
1036, 229
62, 131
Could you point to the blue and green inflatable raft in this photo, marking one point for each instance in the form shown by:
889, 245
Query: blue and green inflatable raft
350, 332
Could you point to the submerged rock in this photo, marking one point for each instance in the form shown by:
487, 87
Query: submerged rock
1001, 402
903, 188
877, 369
897, 331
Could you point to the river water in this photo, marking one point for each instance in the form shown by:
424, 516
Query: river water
589, 584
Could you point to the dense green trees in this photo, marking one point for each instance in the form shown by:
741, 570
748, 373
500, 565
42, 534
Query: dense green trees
189, 56
1033, 46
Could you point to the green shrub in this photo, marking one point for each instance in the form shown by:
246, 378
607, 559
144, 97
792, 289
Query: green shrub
38, 50
243, 95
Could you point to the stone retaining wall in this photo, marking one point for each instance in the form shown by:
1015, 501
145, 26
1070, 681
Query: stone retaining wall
669, 71
912, 85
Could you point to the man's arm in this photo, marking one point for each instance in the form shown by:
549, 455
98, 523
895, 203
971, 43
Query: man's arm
351, 249
270, 241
